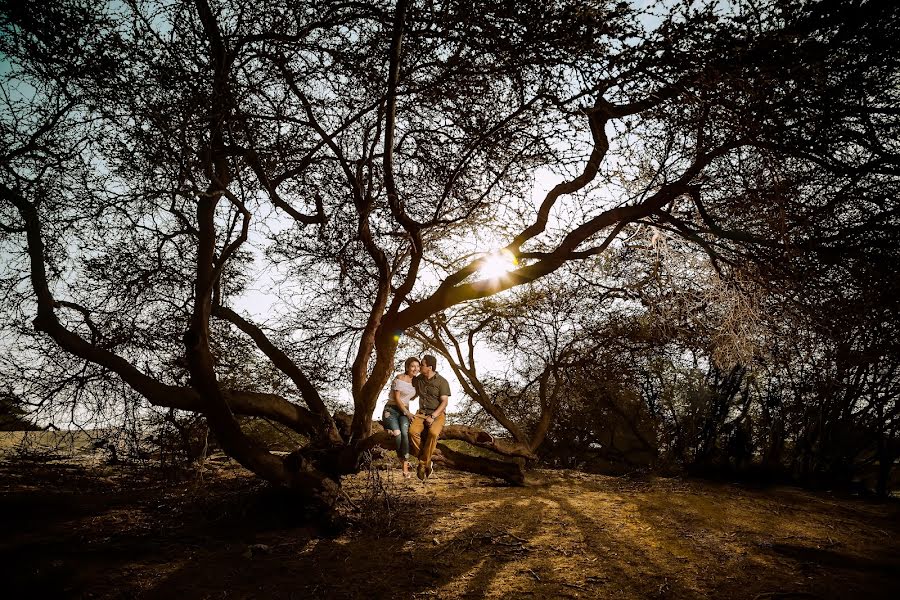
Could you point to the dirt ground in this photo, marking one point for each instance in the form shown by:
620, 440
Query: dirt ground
98, 532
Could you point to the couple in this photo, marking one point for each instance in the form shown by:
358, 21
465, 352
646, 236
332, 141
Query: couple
418, 379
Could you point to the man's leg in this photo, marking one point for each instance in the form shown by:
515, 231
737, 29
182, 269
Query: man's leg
415, 433
434, 431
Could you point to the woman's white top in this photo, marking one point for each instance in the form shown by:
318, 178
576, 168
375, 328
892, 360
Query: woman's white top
407, 391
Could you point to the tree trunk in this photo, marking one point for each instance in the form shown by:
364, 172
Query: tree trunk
483, 439
512, 472
366, 398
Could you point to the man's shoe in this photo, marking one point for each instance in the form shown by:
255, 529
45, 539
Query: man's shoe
420, 471
429, 470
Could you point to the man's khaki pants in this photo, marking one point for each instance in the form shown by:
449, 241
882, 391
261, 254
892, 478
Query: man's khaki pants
424, 451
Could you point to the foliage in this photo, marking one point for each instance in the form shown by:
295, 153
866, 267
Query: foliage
159, 158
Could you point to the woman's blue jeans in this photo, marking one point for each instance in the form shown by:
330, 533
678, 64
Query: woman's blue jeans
393, 419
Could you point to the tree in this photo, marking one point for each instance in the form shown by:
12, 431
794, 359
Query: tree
385, 150
12, 416
535, 330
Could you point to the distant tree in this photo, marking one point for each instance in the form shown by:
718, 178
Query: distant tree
12, 416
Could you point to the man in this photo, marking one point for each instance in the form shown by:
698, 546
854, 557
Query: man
434, 393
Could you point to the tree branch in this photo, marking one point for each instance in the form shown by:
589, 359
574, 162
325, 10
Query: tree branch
284, 364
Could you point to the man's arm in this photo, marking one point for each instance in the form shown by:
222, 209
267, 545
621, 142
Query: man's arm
444, 397
441, 407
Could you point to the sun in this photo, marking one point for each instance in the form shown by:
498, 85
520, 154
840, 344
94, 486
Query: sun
497, 264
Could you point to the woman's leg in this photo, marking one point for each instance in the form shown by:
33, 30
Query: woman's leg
403, 445
403, 450
390, 420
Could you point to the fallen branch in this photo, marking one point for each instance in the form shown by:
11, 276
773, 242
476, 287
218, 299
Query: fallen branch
483, 439
511, 471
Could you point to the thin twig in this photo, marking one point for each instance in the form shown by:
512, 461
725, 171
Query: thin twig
574, 585
349, 499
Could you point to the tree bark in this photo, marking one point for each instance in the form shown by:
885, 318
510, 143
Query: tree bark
366, 397
483, 439
512, 472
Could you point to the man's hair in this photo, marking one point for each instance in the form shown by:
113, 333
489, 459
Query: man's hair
430, 361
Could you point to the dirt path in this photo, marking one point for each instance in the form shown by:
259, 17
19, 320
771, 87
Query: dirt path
94, 534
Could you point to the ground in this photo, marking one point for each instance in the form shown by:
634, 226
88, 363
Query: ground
102, 532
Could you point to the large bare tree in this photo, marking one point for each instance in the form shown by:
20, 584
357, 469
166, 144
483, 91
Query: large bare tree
377, 154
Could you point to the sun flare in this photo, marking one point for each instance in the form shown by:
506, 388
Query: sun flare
497, 264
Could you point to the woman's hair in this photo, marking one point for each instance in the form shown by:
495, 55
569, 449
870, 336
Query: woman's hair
408, 362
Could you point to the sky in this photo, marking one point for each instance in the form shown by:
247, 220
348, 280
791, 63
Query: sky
260, 299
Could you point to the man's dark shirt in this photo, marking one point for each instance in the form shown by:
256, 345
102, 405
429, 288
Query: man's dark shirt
430, 391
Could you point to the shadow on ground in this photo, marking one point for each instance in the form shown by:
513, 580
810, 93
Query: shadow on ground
567, 534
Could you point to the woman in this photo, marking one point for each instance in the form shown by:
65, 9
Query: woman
396, 417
